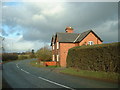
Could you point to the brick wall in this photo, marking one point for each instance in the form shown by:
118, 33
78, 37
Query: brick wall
64, 47
90, 37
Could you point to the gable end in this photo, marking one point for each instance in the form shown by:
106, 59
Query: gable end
81, 38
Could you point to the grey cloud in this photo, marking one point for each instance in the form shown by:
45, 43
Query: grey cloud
40, 26
91, 14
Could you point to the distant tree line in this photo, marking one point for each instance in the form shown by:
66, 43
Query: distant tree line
43, 54
18, 56
9, 56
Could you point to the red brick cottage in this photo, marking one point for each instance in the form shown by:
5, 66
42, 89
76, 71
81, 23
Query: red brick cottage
62, 42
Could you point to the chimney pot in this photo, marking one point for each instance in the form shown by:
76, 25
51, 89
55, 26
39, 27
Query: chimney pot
69, 30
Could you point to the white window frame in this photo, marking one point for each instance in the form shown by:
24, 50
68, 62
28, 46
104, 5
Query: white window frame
57, 58
57, 45
53, 58
90, 43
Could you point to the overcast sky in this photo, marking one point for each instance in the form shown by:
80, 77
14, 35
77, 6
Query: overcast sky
30, 25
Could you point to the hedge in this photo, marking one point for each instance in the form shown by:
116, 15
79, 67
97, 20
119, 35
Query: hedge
102, 57
9, 56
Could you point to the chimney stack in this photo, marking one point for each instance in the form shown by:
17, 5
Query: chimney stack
69, 30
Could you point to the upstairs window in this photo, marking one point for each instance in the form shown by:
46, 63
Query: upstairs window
57, 45
90, 43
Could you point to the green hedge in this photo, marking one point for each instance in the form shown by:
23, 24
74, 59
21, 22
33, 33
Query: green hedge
103, 57
9, 56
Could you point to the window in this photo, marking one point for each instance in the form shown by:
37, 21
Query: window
57, 45
57, 57
90, 42
53, 58
53, 47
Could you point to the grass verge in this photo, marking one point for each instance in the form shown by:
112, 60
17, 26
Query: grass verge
36, 64
107, 76
52, 66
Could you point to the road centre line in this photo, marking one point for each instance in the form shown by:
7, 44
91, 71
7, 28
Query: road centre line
56, 83
46, 79
17, 65
25, 71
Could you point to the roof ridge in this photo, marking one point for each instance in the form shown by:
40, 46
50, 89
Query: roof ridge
86, 31
66, 33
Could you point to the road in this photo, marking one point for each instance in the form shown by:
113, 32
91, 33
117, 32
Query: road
19, 74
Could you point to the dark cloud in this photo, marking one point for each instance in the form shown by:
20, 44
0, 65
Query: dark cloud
39, 21
90, 14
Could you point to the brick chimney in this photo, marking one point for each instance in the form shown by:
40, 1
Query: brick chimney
69, 30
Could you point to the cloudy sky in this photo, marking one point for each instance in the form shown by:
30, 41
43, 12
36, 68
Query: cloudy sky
30, 25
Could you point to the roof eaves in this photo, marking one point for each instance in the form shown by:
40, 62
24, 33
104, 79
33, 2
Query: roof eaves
87, 32
97, 36
52, 40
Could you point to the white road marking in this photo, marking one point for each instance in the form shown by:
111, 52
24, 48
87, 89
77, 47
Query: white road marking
46, 79
56, 83
17, 65
25, 71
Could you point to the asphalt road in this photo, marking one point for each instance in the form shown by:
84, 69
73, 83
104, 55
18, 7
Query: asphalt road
19, 74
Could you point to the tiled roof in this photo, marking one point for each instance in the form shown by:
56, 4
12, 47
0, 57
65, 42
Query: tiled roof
66, 37
83, 35
72, 37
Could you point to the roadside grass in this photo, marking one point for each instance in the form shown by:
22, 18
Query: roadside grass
52, 66
108, 76
36, 64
